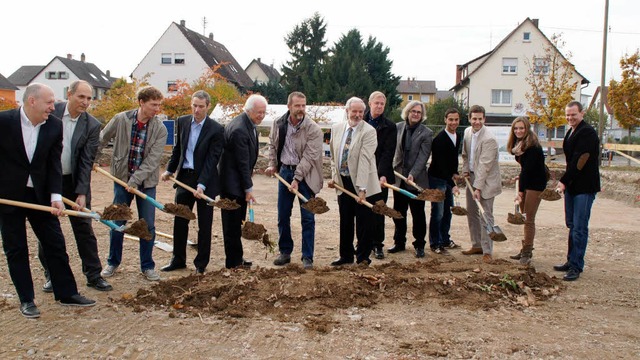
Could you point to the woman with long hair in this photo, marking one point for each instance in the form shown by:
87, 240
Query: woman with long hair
524, 144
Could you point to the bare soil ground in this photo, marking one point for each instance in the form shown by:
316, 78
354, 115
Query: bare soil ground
442, 306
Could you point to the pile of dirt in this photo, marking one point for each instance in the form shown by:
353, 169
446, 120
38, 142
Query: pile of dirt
140, 229
117, 212
226, 204
432, 195
313, 297
381, 208
253, 231
316, 205
179, 210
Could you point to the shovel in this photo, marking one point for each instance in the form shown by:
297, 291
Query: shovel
379, 208
516, 218
224, 204
251, 230
315, 205
432, 195
401, 191
159, 244
173, 209
456, 209
26, 205
135, 229
494, 231
550, 194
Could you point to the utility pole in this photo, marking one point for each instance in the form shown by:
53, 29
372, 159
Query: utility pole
602, 76
204, 26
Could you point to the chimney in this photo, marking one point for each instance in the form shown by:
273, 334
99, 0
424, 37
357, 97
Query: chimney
458, 74
211, 36
535, 22
182, 23
259, 60
70, 56
108, 73
82, 57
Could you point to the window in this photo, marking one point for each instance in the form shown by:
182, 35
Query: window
51, 75
543, 98
166, 58
501, 97
65, 91
541, 65
410, 97
509, 65
63, 75
179, 58
172, 86
526, 37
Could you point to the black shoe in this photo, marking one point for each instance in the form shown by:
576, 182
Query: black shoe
419, 253
571, 275
172, 266
395, 249
199, 271
99, 284
29, 310
379, 254
246, 262
563, 267
341, 261
77, 300
47, 287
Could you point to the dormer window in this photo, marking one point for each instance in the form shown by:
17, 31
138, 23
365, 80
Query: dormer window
526, 37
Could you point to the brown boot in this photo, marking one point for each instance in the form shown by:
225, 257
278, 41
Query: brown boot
487, 258
526, 255
472, 251
518, 255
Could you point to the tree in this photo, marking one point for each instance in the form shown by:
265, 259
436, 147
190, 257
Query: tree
6, 104
273, 91
552, 85
121, 97
435, 111
592, 116
624, 96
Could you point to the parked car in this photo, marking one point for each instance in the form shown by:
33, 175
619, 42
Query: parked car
544, 151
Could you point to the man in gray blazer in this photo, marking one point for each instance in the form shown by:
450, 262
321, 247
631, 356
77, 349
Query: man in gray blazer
353, 146
81, 136
412, 153
480, 164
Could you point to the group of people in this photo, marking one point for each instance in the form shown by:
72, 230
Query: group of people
48, 149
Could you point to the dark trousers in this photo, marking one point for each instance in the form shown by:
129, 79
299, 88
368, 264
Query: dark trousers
377, 220
350, 210
402, 203
232, 231
181, 225
83, 232
47, 230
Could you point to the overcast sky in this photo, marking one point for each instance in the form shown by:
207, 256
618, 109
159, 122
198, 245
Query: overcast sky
426, 38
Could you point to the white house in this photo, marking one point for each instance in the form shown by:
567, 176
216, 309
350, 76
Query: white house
183, 54
497, 79
59, 73
262, 73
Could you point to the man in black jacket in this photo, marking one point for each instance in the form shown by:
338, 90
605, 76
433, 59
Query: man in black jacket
580, 183
30, 149
195, 158
443, 169
386, 133
81, 136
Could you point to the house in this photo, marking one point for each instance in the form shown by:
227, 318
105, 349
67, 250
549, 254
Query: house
7, 89
184, 55
422, 90
612, 129
262, 73
59, 73
497, 79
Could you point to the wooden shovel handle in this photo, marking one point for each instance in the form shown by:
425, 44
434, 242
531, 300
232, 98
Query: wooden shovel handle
517, 190
189, 188
409, 181
290, 188
466, 179
356, 197
31, 206
96, 168
401, 191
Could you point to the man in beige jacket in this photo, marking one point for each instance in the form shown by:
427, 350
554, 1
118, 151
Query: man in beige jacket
295, 152
480, 164
353, 145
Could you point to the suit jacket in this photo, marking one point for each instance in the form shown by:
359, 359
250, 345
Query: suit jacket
386, 134
444, 157
206, 153
417, 154
585, 179
485, 162
45, 167
239, 156
84, 147
361, 159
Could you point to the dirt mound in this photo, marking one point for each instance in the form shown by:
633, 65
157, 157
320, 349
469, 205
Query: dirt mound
179, 210
226, 204
253, 231
312, 297
117, 212
316, 205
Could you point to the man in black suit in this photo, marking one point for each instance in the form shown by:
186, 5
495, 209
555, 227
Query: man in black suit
30, 149
386, 133
442, 171
236, 167
81, 135
195, 157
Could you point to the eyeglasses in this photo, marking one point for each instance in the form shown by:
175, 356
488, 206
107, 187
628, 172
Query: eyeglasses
417, 112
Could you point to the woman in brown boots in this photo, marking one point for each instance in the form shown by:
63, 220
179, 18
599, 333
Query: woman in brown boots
524, 144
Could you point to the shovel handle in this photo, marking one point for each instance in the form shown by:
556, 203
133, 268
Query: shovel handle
31, 206
139, 193
474, 199
409, 181
251, 215
109, 223
290, 188
356, 197
189, 188
401, 191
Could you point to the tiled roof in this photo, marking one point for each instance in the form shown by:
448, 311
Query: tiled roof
417, 87
87, 72
24, 75
5, 84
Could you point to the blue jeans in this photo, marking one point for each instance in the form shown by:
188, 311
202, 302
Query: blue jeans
577, 209
146, 211
307, 219
440, 222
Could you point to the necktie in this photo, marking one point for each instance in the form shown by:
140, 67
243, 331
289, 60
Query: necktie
344, 168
